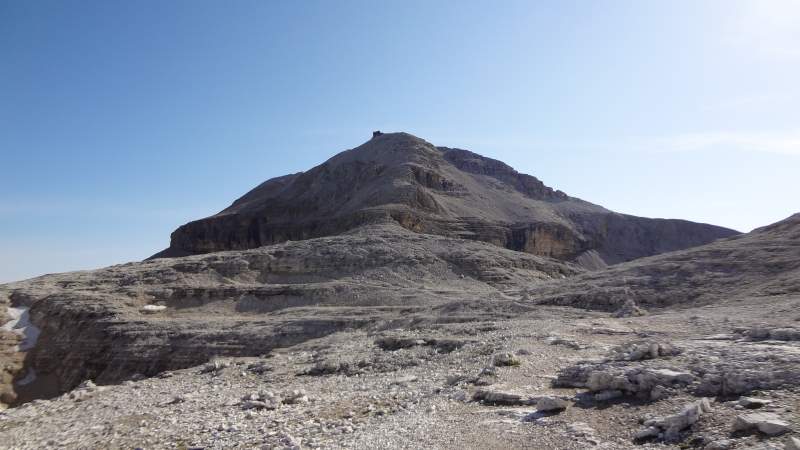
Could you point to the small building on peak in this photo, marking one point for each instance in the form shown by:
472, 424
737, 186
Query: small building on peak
376, 134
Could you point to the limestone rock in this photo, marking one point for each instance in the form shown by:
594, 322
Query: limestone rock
505, 359
766, 423
630, 309
603, 377
84, 391
493, 397
550, 404
558, 340
261, 400
295, 396
671, 426
215, 366
638, 351
753, 403
647, 432
778, 334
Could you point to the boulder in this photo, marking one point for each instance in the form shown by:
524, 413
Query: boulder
505, 359
640, 381
630, 309
766, 423
753, 403
557, 340
670, 427
647, 432
261, 400
551, 404
501, 398
215, 366
637, 351
778, 334
295, 396
84, 391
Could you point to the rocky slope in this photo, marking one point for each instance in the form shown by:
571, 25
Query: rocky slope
143, 318
751, 268
399, 178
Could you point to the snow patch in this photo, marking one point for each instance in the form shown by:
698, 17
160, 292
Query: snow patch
20, 323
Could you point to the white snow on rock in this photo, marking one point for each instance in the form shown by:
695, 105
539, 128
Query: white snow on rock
20, 323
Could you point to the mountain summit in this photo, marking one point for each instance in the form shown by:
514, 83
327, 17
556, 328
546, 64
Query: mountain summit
400, 178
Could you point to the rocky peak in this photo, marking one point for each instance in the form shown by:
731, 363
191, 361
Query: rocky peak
402, 179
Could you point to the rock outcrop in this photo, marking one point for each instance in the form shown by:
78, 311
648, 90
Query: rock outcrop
670, 427
399, 178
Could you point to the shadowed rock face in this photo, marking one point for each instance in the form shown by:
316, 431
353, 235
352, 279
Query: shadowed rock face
399, 178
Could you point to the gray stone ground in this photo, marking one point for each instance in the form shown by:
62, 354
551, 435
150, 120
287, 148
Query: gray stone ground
420, 395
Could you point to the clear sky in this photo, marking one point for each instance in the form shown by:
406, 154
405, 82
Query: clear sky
121, 120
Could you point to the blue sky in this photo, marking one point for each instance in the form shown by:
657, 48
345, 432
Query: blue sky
120, 121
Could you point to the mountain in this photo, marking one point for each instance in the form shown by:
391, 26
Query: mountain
399, 178
381, 300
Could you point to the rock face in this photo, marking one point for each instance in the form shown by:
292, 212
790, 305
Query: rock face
399, 178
